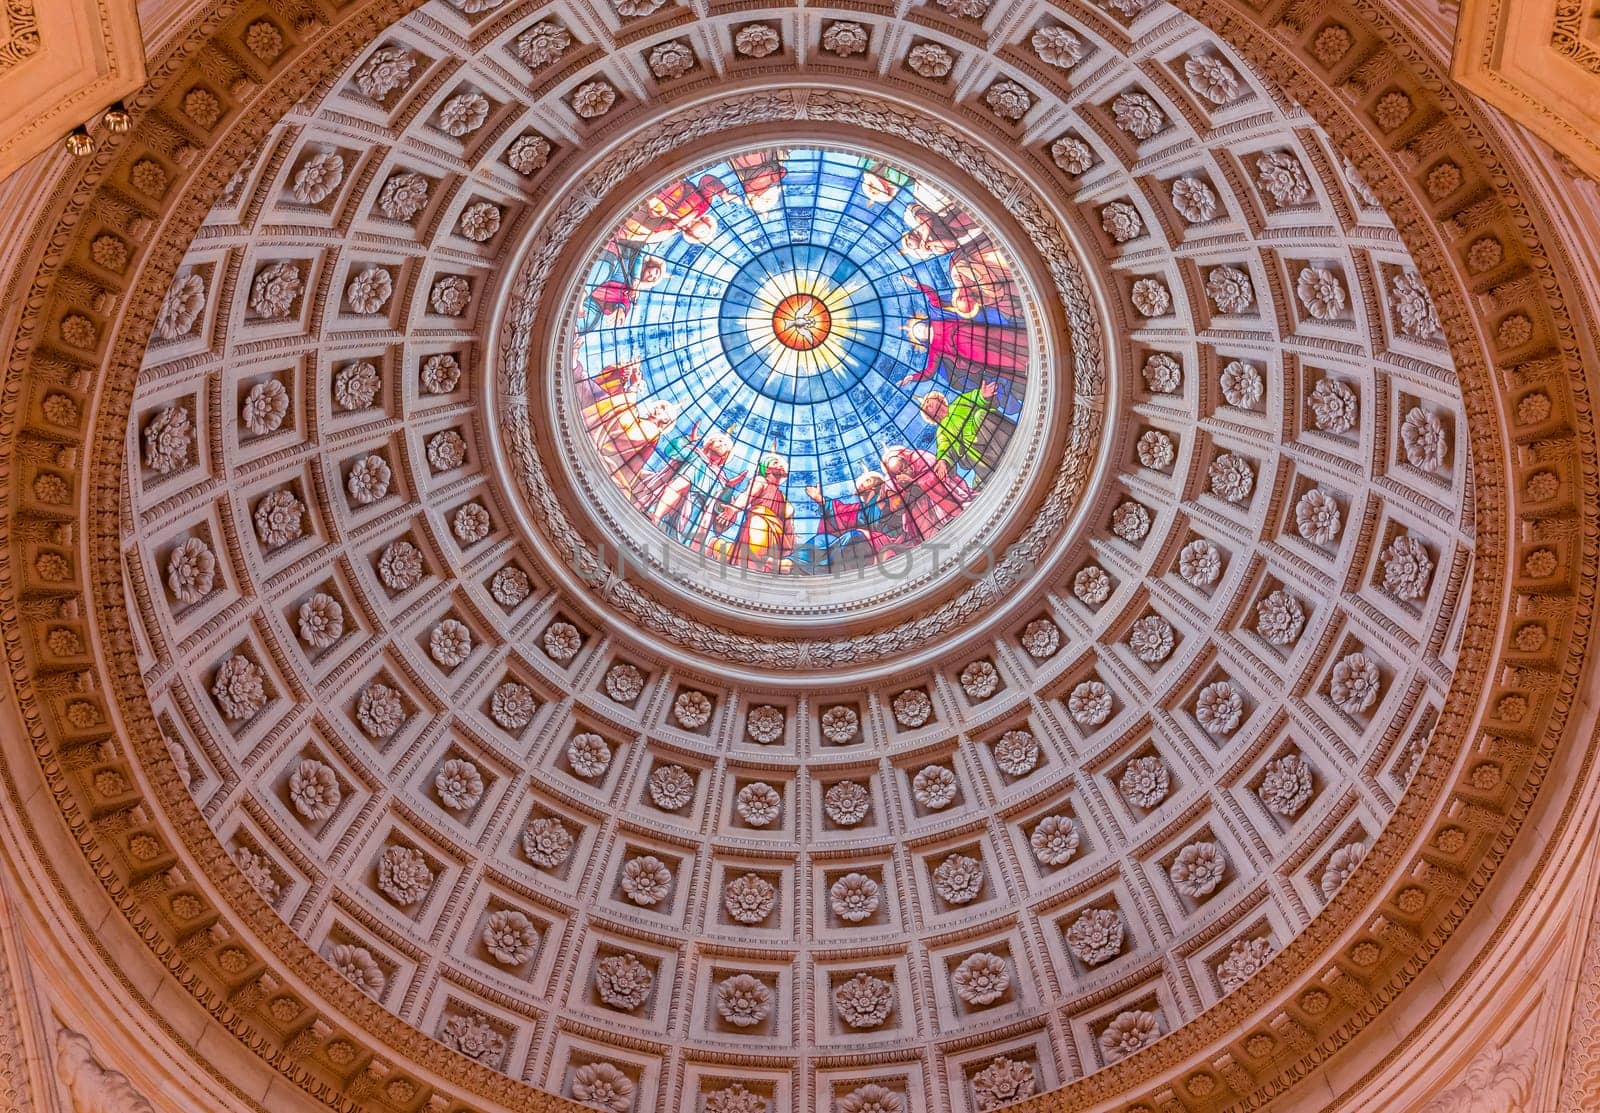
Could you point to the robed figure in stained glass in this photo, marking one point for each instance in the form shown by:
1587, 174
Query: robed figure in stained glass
970, 431
624, 429
853, 533
696, 487
964, 351
930, 491
764, 537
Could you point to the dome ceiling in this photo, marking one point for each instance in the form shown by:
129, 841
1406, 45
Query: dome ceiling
1047, 839
423, 496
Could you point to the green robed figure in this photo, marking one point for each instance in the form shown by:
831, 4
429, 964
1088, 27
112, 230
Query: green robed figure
970, 431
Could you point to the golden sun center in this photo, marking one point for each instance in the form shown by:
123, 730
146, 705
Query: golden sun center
801, 322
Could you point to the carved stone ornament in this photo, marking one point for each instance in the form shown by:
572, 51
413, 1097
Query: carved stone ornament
603, 1086
758, 804
1144, 782
264, 408
671, 787
1280, 617
1054, 840
1128, 1032
846, 803
872, 1098
94, 1087
1280, 177
764, 724
743, 1000
1219, 708
1497, 1078
1095, 935
181, 308
692, 709
459, 785
735, 1099
1090, 703
542, 44
1286, 785
547, 842
1017, 752
387, 70
863, 1001
912, 708
981, 979
845, 38
1072, 154
854, 897
1162, 373
463, 114
314, 789
930, 60
622, 981
318, 177
1230, 289
404, 875
1321, 292
1242, 384
510, 937
671, 59
588, 754
1003, 1082
756, 40
1041, 638
1199, 869
403, 196
645, 880
749, 898
934, 787
1138, 114
1200, 562
1195, 201
1212, 78
958, 879
1091, 585
1057, 46
840, 724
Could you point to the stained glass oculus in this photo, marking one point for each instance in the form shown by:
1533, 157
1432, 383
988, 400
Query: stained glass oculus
799, 361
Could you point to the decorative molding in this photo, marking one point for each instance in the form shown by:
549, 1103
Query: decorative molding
60, 64
94, 1087
1498, 1080
1538, 61
1572, 18
19, 33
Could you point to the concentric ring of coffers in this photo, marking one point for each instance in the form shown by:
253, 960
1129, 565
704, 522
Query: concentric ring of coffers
356, 632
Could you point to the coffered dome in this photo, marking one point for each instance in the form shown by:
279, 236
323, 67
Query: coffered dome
793, 559
543, 822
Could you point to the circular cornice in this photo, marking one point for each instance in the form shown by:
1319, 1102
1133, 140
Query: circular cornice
991, 569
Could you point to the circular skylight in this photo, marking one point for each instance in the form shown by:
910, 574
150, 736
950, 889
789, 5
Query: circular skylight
796, 361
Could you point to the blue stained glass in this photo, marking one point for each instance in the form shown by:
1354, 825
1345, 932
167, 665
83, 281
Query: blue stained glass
798, 360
